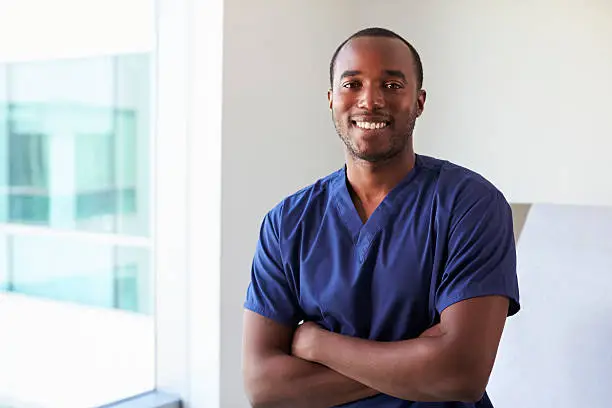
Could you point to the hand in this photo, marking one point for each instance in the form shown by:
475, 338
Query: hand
306, 340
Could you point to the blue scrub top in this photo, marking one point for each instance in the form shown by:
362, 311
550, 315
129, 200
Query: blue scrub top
442, 235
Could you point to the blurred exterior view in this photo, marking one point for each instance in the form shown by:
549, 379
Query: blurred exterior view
74, 144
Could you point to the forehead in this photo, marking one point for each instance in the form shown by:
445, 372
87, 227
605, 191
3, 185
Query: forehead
374, 55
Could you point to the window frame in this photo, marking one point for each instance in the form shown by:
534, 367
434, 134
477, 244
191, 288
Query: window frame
186, 170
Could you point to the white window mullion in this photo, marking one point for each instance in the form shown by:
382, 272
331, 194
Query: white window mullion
204, 200
187, 196
170, 198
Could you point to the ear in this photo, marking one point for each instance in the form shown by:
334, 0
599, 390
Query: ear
329, 98
421, 96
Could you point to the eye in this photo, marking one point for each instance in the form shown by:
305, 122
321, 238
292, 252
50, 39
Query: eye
393, 85
351, 84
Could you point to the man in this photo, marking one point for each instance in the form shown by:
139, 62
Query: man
401, 267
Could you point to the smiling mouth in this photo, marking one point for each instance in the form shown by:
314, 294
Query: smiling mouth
371, 125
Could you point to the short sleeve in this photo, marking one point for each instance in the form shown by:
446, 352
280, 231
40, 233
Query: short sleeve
269, 292
481, 252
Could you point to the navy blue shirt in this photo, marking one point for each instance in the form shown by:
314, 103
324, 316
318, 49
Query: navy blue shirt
442, 235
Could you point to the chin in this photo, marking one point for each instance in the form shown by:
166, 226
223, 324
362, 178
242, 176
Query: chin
374, 156
373, 150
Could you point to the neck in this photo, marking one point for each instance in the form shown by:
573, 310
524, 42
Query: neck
371, 182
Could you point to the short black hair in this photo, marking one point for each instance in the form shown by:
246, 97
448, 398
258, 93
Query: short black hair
379, 32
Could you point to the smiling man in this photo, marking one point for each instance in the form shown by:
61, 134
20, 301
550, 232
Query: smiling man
402, 267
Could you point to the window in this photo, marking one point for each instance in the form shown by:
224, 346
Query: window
75, 214
110, 219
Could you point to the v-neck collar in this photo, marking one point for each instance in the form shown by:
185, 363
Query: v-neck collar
359, 230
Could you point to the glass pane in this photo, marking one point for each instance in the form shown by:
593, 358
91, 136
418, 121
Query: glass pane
78, 146
76, 278
88, 273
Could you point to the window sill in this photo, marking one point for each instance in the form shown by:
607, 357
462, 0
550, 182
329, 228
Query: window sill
153, 399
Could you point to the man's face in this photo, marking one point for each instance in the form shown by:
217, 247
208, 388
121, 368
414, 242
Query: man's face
374, 99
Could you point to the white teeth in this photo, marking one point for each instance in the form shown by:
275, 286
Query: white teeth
371, 125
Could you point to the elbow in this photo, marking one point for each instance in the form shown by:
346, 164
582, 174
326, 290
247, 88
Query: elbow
259, 402
469, 387
256, 397
263, 400
460, 387
470, 394
255, 392
456, 389
253, 395
468, 377
462, 381
258, 390
264, 381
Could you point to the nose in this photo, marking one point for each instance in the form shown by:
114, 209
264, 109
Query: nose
371, 98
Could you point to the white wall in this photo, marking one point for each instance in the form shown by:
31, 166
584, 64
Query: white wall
517, 90
277, 135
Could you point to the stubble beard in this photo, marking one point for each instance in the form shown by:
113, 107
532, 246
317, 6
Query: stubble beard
399, 142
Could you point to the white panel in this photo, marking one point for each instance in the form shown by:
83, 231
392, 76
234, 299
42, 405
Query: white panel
556, 351
517, 90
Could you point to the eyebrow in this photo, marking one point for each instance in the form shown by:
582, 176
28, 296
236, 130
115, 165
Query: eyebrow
395, 73
388, 72
349, 74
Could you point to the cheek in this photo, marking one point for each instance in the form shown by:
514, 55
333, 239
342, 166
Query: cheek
340, 116
409, 110
342, 103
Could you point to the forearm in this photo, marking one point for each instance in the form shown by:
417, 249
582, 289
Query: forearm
282, 380
417, 370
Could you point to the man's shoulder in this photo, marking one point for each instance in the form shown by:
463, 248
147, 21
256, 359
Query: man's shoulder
315, 195
454, 180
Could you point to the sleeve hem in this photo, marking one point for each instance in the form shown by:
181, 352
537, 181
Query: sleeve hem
278, 318
513, 307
